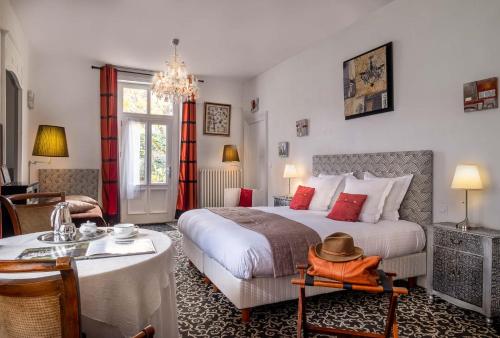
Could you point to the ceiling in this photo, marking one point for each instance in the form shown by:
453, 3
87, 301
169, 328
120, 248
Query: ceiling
230, 38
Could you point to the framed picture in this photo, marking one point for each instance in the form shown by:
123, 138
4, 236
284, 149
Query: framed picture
302, 127
5, 175
481, 95
255, 105
368, 84
217, 119
283, 149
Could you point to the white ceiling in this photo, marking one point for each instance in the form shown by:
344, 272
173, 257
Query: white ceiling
234, 38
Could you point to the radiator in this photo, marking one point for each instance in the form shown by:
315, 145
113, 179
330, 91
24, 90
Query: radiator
212, 183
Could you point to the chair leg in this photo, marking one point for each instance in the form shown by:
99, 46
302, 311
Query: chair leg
206, 280
245, 315
395, 328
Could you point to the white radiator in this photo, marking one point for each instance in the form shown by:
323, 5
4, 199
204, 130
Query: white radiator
212, 183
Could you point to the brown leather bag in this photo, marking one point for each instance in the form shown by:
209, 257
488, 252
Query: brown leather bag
359, 271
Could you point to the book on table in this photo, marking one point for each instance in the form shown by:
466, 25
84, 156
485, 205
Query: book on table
91, 250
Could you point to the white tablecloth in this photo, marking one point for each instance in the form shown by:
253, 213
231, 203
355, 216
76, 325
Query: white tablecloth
119, 295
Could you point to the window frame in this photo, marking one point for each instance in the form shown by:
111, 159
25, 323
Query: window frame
149, 119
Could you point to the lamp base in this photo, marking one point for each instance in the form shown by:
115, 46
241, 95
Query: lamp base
465, 225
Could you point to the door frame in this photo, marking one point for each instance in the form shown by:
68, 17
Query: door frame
254, 118
12, 76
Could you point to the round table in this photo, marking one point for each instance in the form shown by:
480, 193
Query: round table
119, 295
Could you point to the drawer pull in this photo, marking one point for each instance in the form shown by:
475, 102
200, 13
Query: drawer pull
456, 241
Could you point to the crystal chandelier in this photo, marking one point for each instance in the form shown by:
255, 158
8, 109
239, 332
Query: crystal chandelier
175, 84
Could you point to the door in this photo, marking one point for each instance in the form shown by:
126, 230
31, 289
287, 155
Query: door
255, 155
147, 145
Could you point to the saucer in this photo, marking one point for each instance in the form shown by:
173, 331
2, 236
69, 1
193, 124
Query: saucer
133, 234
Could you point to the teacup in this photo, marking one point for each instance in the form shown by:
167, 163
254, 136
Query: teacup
123, 230
88, 228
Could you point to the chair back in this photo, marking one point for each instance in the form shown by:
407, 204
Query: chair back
40, 307
33, 217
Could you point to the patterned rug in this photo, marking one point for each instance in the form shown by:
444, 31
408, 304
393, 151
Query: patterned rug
206, 313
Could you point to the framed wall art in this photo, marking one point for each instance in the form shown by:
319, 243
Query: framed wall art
217, 119
481, 95
283, 149
302, 127
368, 83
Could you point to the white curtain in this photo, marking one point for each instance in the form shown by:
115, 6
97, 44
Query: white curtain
131, 161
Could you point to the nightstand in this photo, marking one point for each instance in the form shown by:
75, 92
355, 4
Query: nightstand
282, 201
463, 267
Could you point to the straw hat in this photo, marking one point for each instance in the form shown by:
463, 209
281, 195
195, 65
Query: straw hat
338, 247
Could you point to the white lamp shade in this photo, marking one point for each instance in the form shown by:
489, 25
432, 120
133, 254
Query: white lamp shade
290, 171
466, 177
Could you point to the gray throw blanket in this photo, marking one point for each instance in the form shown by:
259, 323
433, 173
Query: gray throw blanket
289, 240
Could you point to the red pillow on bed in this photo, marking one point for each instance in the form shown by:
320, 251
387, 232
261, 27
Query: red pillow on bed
302, 198
245, 197
348, 207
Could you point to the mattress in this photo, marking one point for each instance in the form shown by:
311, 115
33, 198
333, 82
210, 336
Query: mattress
247, 254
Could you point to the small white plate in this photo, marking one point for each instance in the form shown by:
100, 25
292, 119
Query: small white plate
133, 234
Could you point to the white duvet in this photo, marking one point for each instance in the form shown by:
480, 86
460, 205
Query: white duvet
247, 254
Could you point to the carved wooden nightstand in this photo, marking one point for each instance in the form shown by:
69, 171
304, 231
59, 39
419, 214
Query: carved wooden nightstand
282, 201
463, 267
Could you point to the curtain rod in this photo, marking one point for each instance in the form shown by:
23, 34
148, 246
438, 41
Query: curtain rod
135, 71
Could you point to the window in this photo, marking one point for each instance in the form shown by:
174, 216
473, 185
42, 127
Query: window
147, 124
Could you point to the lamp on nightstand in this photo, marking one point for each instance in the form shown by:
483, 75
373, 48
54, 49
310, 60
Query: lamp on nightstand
466, 177
290, 172
50, 142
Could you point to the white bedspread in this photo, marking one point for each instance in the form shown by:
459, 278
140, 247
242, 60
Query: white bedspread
247, 254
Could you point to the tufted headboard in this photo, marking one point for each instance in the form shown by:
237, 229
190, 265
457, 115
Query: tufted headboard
71, 181
417, 204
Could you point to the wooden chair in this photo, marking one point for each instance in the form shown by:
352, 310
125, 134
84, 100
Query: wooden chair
29, 218
46, 306
40, 307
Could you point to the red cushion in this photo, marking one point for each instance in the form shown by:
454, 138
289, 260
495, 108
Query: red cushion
302, 198
245, 197
348, 207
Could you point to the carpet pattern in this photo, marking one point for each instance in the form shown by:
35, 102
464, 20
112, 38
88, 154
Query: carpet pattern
206, 313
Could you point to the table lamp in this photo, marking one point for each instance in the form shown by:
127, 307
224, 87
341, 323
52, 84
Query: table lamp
230, 153
466, 178
290, 172
50, 142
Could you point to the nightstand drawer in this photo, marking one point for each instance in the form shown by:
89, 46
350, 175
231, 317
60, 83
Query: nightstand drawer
459, 275
458, 241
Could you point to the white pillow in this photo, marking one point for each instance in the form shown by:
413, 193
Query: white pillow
377, 192
396, 196
340, 188
325, 188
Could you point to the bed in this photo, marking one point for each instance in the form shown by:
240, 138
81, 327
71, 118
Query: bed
236, 260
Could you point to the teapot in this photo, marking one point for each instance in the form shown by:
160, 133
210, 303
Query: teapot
60, 221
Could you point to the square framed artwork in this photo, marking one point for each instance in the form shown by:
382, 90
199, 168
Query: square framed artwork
481, 95
217, 119
302, 127
283, 149
368, 83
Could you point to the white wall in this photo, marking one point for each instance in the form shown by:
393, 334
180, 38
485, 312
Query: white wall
219, 90
15, 56
438, 46
67, 94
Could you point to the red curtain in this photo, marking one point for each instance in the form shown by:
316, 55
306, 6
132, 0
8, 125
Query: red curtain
187, 197
109, 145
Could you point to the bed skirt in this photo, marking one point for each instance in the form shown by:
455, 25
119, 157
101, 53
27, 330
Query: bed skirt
258, 291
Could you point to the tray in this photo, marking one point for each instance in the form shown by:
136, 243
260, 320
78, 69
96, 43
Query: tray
79, 237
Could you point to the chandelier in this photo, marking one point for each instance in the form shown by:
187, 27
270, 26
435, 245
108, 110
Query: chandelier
175, 84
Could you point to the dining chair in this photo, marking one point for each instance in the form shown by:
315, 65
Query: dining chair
44, 306
34, 217
40, 307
